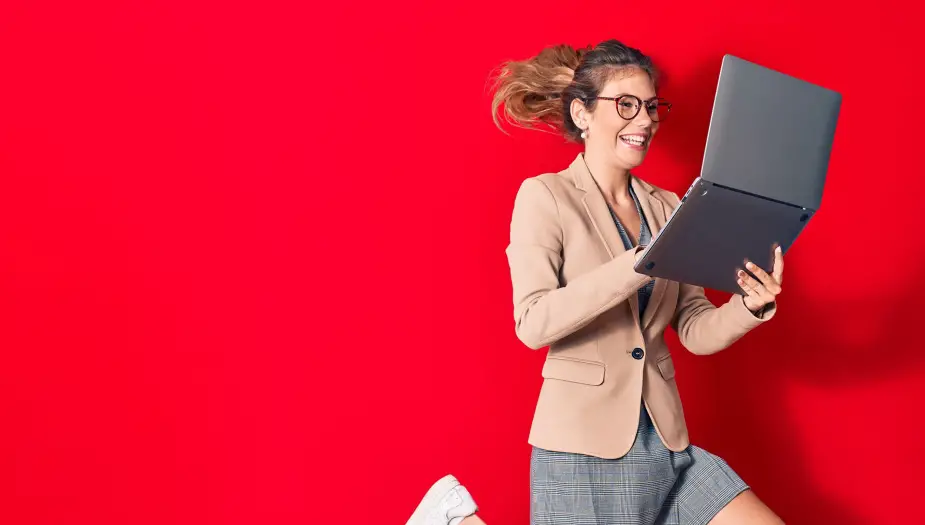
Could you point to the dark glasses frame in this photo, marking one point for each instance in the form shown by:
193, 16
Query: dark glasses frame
639, 103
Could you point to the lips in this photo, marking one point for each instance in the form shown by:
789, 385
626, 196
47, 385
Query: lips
635, 141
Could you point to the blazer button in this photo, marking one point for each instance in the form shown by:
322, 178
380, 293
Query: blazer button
638, 353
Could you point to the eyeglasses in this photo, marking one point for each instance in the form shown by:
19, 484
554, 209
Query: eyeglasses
628, 107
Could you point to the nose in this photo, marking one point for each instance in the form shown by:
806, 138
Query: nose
643, 120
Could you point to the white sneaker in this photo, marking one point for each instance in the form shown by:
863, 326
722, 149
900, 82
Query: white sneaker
446, 503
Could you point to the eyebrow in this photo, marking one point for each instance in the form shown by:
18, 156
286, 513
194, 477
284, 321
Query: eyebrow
618, 95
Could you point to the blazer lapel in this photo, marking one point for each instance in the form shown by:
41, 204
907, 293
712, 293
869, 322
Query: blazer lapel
596, 207
656, 216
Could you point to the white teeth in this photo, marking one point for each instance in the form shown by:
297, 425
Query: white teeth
636, 141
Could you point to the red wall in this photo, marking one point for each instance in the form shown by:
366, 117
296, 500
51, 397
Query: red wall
252, 259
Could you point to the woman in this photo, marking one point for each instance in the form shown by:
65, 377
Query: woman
610, 444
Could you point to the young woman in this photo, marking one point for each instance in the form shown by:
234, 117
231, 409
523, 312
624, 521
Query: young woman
610, 443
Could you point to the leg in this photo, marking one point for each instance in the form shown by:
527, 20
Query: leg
746, 509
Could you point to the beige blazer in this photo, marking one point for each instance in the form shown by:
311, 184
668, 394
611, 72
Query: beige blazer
575, 291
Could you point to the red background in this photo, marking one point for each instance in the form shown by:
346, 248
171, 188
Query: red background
252, 259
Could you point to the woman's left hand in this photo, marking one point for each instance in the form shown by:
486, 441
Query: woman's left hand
764, 291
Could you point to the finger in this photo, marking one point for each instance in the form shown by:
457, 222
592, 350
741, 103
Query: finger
751, 299
749, 292
747, 283
760, 291
778, 270
769, 282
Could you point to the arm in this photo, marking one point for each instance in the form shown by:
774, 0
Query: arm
705, 329
544, 312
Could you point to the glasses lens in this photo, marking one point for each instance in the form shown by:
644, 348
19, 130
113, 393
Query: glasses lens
628, 106
658, 110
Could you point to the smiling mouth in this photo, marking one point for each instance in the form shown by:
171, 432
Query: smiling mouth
637, 141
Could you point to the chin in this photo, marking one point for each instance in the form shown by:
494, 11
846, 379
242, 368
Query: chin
631, 162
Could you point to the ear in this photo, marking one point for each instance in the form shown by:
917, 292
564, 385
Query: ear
580, 114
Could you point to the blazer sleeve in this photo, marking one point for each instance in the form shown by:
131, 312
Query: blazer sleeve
544, 311
703, 328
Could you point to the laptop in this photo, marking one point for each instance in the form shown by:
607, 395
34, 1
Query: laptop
761, 182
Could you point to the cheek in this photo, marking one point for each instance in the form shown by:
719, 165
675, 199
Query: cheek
613, 126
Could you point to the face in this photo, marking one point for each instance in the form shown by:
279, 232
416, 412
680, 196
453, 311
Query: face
610, 135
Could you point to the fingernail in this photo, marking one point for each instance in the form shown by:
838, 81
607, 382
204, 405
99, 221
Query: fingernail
750, 266
741, 273
778, 249
741, 281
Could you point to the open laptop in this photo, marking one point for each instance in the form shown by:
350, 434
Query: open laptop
763, 173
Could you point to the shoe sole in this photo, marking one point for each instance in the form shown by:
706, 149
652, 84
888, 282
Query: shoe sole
436, 493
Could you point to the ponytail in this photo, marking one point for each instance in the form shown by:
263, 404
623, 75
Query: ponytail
529, 92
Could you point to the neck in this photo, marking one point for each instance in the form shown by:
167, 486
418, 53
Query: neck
613, 181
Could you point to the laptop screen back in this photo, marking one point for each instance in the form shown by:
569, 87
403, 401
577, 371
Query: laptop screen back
770, 134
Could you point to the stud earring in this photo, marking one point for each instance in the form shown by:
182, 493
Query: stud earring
584, 135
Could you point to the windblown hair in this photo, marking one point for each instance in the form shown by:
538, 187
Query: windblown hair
540, 90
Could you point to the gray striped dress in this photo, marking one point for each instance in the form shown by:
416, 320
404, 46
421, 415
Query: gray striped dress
650, 485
